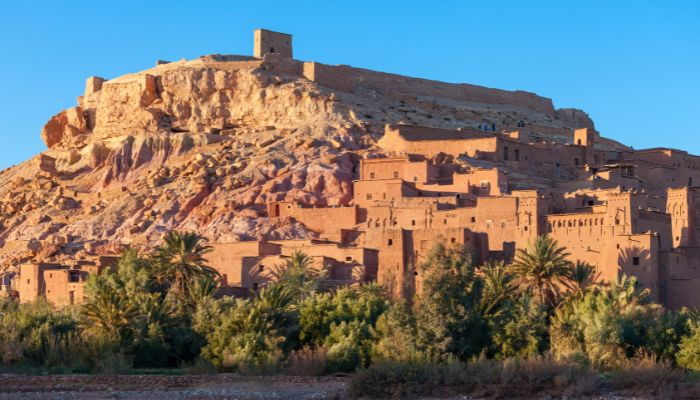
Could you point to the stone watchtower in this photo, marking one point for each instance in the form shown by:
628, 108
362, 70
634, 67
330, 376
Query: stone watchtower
272, 42
585, 137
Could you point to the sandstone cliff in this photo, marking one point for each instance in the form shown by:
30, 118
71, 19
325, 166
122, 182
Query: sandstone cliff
204, 144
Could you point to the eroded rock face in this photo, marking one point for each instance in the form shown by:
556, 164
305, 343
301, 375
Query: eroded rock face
204, 145
64, 127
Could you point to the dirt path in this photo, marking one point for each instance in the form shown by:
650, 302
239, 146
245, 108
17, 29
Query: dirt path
157, 387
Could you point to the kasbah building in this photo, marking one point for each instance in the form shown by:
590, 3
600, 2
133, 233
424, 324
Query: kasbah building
632, 212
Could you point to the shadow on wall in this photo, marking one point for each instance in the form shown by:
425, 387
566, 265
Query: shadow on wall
262, 274
630, 261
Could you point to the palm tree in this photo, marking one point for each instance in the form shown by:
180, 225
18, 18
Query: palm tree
498, 287
180, 261
580, 276
298, 275
541, 269
201, 287
111, 313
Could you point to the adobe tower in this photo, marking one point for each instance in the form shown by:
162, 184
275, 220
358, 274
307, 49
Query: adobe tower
272, 42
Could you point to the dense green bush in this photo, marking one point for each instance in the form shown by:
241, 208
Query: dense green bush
37, 335
254, 334
612, 323
449, 321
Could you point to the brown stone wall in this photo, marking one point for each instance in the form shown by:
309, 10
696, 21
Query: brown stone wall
395, 168
481, 182
30, 282
322, 219
367, 193
347, 79
496, 217
66, 287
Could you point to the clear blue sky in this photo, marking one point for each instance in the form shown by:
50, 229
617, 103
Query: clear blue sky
634, 66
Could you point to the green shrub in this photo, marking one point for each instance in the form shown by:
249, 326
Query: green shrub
395, 334
349, 345
319, 312
254, 334
37, 334
688, 355
612, 323
520, 330
449, 319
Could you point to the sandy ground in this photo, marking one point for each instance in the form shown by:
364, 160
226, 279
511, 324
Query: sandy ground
157, 387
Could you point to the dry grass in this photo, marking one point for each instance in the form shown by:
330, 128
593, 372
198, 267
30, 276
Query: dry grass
307, 361
522, 378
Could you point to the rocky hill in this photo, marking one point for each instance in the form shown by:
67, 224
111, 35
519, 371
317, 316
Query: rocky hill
202, 145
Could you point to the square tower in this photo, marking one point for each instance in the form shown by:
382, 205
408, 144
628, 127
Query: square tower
585, 137
272, 42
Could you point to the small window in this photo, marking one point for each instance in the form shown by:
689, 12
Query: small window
371, 175
390, 242
473, 219
526, 229
635, 260
348, 258
74, 276
415, 179
517, 154
505, 153
444, 221
413, 222
575, 160
369, 196
484, 184
272, 49
453, 240
396, 174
